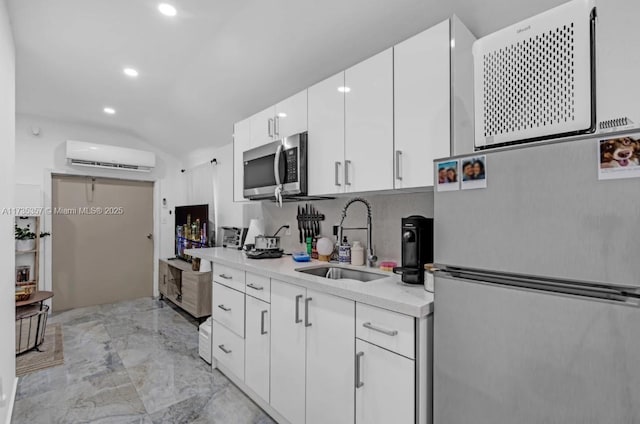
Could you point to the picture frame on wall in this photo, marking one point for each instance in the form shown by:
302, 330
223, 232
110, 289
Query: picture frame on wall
23, 274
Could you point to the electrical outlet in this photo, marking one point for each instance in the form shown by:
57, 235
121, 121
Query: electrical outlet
287, 231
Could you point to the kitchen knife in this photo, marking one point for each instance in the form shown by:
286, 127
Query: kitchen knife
307, 222
300, 223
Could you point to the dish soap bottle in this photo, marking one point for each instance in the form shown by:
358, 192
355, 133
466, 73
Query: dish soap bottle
344, 252
357, 254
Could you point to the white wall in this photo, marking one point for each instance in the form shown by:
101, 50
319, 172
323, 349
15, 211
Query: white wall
227, 213
37, 156
7, 252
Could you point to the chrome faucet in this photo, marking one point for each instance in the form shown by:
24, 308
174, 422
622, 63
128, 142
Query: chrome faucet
371, 257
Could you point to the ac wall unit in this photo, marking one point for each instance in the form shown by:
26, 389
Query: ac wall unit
536, 79
109, 157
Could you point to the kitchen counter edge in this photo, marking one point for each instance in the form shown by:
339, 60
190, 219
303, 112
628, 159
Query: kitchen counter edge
387, 293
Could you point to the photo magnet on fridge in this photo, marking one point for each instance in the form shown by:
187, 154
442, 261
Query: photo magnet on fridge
619, 158
448, 176
474, 172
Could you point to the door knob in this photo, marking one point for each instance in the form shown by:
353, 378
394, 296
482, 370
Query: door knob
150, 236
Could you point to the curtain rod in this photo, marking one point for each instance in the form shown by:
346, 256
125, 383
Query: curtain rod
213, 161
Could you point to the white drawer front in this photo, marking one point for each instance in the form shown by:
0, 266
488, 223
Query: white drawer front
387, 329
258, 286
229, 276
228, 308
228, 349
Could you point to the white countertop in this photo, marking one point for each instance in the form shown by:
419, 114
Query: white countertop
389, 292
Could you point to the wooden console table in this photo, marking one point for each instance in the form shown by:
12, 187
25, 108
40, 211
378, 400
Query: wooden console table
188, 289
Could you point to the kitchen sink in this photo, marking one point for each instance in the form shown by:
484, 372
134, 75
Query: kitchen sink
339, 273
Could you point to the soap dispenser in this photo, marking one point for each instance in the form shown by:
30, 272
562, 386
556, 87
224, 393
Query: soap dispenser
344, 252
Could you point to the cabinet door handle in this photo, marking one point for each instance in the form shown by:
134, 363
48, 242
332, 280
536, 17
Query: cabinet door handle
251, 285
346, 172
337, 169
306, 311
269, 124
380, 330
263, 314
298, 297
398, 170
276, 126
224, 349
164, 279
225, 276
224, 308
359, 382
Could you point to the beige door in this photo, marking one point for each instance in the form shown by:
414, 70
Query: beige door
102, 244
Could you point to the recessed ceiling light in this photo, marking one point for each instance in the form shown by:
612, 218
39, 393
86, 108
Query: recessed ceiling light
130, 72
109, 110
344, 89
167, 10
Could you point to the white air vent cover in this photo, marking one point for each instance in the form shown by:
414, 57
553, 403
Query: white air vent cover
534, 80
110, 157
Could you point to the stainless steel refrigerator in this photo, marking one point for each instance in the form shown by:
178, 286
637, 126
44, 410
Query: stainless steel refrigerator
537, 316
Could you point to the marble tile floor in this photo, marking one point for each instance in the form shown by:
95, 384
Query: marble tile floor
131, 362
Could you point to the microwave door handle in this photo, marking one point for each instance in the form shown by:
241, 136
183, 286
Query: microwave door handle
276, 165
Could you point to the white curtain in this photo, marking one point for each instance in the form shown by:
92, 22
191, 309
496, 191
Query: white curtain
200, 189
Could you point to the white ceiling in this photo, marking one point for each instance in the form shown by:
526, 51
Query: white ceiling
215, 63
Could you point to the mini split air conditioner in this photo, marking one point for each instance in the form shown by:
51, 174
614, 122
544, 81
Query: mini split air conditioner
109, 157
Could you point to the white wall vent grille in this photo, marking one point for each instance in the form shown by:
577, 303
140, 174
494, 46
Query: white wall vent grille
534, 79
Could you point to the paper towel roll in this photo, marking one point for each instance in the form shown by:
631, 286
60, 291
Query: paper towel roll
205, 266
256, 228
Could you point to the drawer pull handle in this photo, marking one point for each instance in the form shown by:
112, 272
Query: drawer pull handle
380, 330
224, 349
224, 308
251, 285
226, 277
297, 317
359, 382
306, 311
263, 314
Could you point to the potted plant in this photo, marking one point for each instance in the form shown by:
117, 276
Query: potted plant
25, 238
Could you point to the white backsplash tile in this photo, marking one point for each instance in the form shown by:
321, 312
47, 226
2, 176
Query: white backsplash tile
387, 212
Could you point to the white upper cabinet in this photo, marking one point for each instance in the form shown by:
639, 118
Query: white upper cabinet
262, 127
421, 105
380, 124
241, 142
369, 124
291, 116
287, 118
326, 136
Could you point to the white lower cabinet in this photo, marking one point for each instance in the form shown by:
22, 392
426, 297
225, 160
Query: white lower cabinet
288, 350
311, 355
330, 365
313, 358
385, 386
257, 346
228, 348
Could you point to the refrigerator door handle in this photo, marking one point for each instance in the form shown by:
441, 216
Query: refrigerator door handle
608, 292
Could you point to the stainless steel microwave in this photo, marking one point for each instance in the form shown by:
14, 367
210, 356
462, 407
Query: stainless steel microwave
281, 163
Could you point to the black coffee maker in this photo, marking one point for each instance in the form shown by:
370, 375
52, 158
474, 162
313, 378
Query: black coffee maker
417, 248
